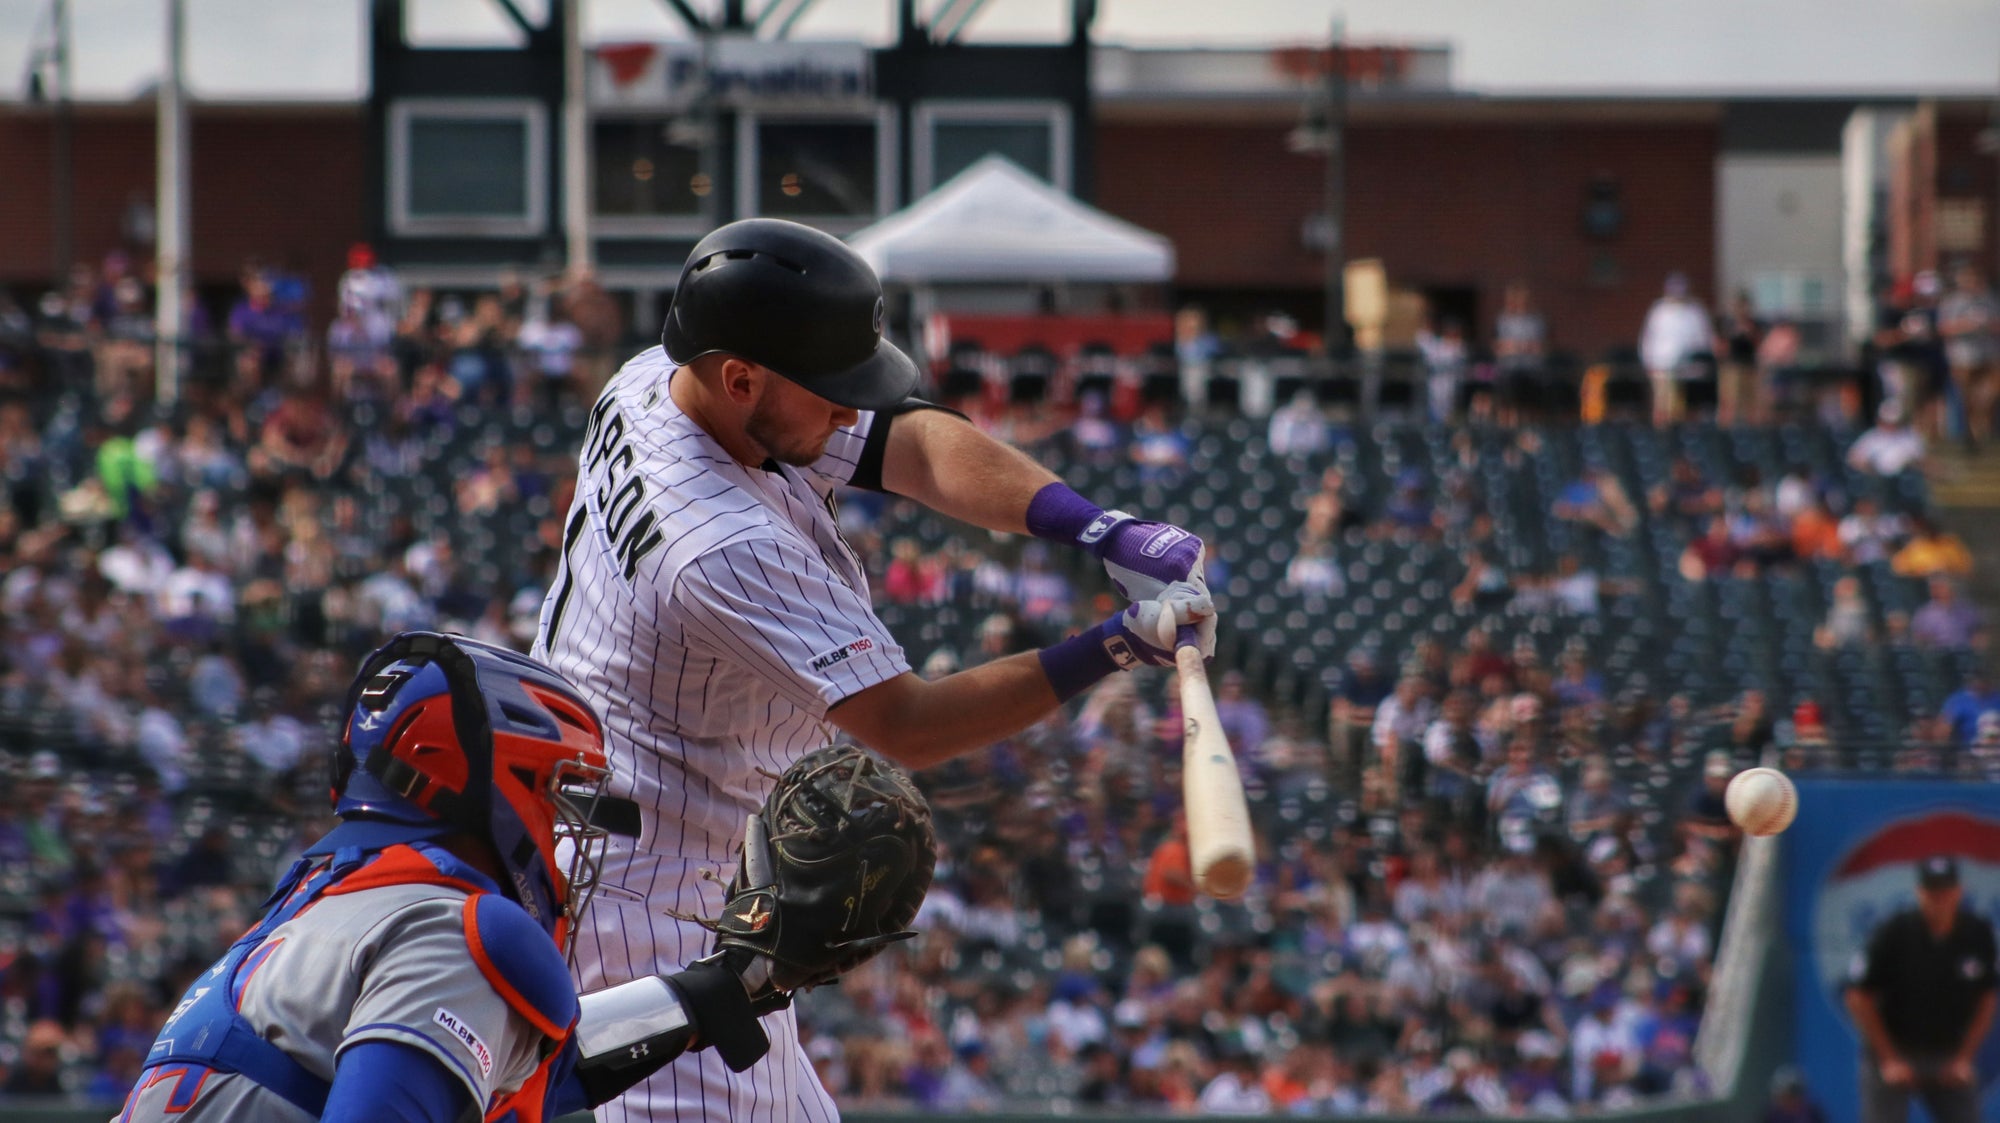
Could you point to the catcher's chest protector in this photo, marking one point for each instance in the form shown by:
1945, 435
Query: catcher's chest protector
206, 1034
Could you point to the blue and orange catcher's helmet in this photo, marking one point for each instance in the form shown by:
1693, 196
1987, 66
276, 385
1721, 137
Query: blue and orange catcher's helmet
448, 733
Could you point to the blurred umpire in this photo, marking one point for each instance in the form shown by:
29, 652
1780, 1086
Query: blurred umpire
1922, 996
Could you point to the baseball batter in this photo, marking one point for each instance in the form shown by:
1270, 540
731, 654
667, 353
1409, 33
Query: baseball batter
709, 606
410, 969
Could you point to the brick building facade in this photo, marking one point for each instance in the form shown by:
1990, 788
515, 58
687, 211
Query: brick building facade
1457, 197
1454, 202
278, 183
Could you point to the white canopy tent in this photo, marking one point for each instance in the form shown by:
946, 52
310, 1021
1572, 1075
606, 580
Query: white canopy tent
994, 223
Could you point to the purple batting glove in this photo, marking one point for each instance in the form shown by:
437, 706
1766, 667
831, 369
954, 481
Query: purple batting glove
1144, 635
1145, 560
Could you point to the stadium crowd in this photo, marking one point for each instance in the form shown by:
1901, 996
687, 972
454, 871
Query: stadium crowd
1464, 904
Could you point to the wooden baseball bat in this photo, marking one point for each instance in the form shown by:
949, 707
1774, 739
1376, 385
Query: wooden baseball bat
1218, 819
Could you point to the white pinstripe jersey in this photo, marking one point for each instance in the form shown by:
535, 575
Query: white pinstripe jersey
712, 612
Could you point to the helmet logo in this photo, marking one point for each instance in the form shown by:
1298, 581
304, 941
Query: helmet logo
880, 315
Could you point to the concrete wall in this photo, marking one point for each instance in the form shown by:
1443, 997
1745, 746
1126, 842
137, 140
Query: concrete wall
1778, 234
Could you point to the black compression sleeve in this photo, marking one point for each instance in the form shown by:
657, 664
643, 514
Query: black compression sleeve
868, 471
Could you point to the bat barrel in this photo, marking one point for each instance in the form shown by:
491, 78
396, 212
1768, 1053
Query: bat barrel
1218, 817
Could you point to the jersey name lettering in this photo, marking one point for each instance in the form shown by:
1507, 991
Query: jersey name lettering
621, 494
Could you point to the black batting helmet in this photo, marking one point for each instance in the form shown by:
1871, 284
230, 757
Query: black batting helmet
793, 299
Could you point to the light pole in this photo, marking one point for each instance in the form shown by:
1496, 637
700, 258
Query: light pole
61, 161
1336, 194
170, 264
576, 168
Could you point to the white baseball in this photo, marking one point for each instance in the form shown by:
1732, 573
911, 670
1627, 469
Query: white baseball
1762, 801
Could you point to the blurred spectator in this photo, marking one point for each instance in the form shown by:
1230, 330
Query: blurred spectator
1455, 773
1847, 623
1329, 510
1914, 370
1409, 508
1971, 702
1738, 397
1485, 586
1446, 360
1512, 893
1751, 728
1685, 496
551, 341
1520, 339
1815, 533
1236, 1089
1675, 337
1243, 717
39, 1072
1299, 428
1868, 533
1712, 556
1043, 594
1757, 532
1313, 571
1575, 587
1170, 872
1597, 499
1790, 1103
1888, 448
1400, 722
1932, 551
264, 327
1158, 448
1946, 622
1600, 805
1706, 815
1604, 1049
1969, 321
1362, 687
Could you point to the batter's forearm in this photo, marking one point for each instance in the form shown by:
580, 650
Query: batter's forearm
1975, 1034
949, 465
918, 724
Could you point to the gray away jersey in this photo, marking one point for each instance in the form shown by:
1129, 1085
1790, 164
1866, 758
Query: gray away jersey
384, 964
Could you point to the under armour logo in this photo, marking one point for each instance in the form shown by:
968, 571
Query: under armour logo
640, 1050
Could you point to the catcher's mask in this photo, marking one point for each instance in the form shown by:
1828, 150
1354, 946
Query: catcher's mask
449, 732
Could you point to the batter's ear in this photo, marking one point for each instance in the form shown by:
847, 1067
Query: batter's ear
742, 382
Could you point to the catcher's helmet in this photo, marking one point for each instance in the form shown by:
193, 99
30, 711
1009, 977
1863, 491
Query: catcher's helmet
457, 735
793, 299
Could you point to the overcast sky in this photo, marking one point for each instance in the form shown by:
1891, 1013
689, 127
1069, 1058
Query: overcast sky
313, 48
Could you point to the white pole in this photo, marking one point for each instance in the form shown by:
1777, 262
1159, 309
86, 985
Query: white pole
170, 264
576, 138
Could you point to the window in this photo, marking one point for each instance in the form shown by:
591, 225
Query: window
638, 171
1791, 292
468, 167
952, 136
826, 168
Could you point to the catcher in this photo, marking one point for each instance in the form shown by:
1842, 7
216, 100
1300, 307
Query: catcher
411, 966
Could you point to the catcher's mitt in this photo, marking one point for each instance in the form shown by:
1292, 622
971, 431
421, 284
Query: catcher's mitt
834, 869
